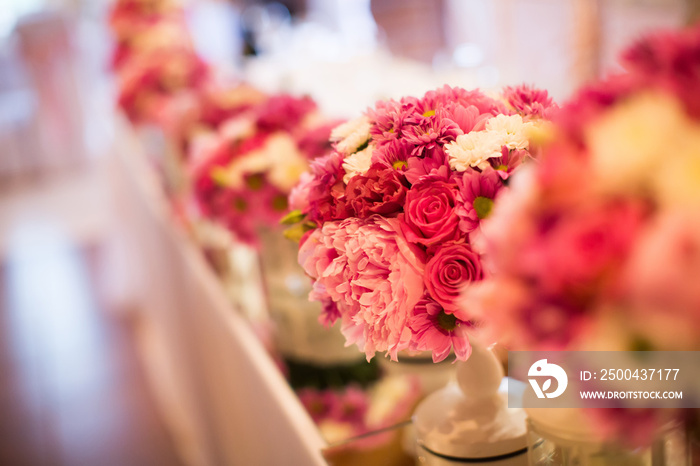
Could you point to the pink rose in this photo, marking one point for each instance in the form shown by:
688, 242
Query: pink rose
374, 275
430, 215
452, 267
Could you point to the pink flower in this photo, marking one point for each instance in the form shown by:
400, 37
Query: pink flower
529, 101
315, 142
381, 190
466, 118
395, 154
509, 161
437, 331
374, 275
580, 251
388, 120
478, 190
326, 191
283, 113
453, 266
431, 162
430, 133
430, 213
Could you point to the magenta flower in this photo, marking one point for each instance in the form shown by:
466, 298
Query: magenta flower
283, 113
429, 134
374, 275
478, 190
438, 331
326, 192
432, 162
453, 266
529, 101
381, 190
388, 121
509, 161
395, 154
430, 213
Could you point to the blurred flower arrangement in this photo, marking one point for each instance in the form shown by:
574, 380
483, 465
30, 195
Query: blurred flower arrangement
598, 247
242, 176
389, 219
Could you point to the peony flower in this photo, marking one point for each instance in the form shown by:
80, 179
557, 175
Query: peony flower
453, 266
381, 190
478, 190
374, 275
430, 213
439, 332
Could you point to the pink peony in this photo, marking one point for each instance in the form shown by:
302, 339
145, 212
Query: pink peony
381, 190
374, 275
438, 331
453, 266
430, 213
478, 190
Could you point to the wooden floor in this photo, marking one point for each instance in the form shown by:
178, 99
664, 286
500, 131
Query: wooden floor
72, 391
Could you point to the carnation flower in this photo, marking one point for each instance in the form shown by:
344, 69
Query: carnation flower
453, 266
369, 269
381, 190
439, 332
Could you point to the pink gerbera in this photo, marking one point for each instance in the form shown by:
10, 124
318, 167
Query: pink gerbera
478, 190
437, 331
431, 133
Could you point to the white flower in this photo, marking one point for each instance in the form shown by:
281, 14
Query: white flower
511, 130
351, 135
473, 150
357, 163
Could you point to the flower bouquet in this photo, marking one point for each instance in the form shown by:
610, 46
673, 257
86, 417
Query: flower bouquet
241, 180
599, 247
389, 220
144, 26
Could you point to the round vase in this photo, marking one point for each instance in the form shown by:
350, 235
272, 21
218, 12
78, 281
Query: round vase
469, 421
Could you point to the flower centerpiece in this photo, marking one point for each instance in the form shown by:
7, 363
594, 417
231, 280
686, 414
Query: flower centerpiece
242, 177
140, 26
388, 220
599, 247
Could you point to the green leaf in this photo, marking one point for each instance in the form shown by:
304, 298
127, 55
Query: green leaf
295, 232
295, 216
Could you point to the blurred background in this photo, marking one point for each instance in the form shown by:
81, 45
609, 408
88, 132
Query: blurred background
72, 391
